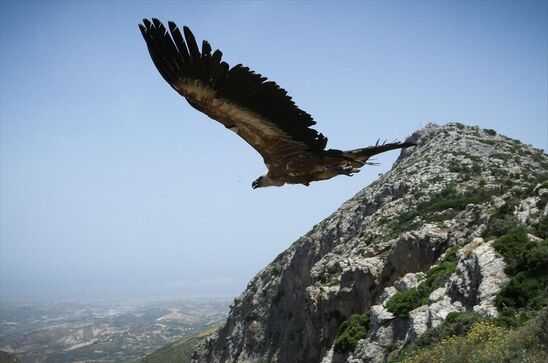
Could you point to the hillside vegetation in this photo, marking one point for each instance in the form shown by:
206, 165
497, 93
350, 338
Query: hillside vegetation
179, 351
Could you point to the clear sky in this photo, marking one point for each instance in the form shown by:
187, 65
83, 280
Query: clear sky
113, 186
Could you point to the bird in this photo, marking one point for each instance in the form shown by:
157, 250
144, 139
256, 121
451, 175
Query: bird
253, 107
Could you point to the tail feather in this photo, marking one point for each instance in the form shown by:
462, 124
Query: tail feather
365, 153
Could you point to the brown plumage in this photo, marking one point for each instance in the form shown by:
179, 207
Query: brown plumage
259, 111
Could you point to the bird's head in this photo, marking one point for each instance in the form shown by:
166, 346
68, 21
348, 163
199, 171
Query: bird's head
266, 181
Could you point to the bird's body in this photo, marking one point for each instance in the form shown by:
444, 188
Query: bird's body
258, 111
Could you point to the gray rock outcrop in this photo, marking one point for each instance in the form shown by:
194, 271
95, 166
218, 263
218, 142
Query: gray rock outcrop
380, 242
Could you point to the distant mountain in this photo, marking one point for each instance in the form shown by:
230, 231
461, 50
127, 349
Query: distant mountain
449, 242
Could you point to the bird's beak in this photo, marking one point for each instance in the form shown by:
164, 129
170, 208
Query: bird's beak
255, 184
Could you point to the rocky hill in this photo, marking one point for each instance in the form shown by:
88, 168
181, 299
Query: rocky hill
427, 241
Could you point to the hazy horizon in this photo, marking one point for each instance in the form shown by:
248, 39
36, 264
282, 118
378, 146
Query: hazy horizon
113, 187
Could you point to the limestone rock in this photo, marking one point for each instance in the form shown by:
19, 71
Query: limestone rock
527, 209
382, 241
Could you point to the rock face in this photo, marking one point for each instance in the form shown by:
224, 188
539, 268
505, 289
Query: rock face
382, 241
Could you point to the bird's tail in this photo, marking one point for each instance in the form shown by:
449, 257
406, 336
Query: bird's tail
363, 154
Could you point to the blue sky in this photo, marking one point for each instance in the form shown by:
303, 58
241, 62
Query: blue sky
112, 186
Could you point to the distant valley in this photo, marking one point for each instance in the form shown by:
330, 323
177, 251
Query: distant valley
102, 331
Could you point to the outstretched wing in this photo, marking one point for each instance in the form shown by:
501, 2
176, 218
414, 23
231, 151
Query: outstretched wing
259, 111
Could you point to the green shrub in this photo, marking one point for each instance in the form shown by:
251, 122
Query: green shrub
487, 343
437, 276
476, 168
458, 203
461, 323
513, 319
490, 132
535, 259
251, 316
488, 142
443, 215
466, 171
475, 158
454, 324
513, 247
503, 221
404, 301
500, 224
501, 156
526, 263
456, 167
522, 292
351, 331
541, 228
499, 172
449, 198
449, 191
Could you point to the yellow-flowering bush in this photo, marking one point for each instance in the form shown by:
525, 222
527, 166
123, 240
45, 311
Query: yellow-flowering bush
484, 332
488, 343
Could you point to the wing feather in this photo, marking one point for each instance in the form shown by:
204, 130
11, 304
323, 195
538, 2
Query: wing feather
262, 112
181, 46
193, 50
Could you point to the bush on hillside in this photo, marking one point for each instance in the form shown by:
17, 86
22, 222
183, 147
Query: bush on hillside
351, 331
404, 301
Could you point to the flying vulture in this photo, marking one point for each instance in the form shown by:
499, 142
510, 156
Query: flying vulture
259, 111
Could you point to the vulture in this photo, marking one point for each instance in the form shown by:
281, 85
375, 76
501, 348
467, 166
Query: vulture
257, 110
